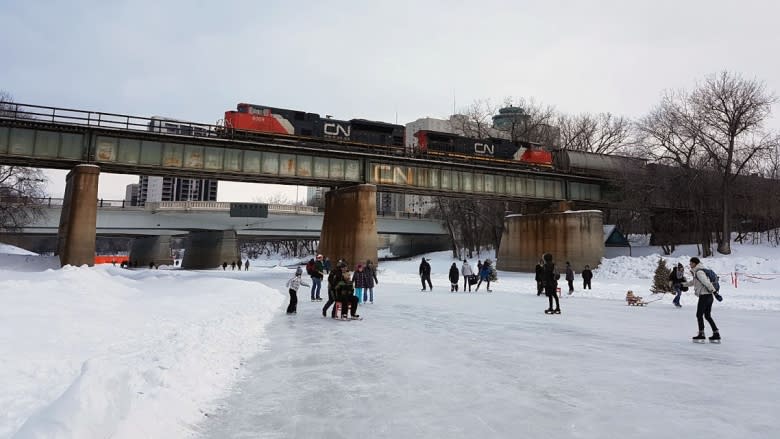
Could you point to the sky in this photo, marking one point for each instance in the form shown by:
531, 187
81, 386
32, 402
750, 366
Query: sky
382, 60
102, 352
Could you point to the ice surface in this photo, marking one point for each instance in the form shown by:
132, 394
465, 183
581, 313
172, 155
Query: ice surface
107, 352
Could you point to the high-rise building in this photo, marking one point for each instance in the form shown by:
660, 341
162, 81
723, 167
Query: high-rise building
132, 192
153, 189
315, 195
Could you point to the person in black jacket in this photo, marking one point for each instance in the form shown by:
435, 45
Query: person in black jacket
425, 274
334, 277
677, 278
454, 277
538, 277
550, 278
587, 275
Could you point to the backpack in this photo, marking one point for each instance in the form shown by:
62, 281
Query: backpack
310, 268
714, 280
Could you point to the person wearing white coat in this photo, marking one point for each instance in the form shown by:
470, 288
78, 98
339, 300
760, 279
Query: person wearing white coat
467, 273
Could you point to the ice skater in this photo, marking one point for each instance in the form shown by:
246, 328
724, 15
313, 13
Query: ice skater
703, 289
550, 278
293, 284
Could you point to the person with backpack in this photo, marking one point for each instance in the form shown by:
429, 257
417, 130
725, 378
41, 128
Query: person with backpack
425, 274
293, 284
587, 275
550, 278
705, 290
677, 278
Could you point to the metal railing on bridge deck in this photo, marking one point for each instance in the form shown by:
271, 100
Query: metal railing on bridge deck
223, 206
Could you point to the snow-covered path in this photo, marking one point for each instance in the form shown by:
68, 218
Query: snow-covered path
493, 365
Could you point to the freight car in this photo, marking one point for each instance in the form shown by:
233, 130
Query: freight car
263, 119
435, 143
592, 164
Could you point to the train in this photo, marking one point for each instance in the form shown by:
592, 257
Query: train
249, 119
254, 118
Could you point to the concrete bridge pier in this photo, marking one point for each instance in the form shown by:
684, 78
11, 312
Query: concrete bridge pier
78, 219
349, 225
148, 249
574, 236
204, 250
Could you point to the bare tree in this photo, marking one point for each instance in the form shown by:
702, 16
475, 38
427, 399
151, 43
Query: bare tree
731, 112
21, 193
21, 189
601, 133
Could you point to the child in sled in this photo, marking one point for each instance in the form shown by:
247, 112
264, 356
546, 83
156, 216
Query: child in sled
631, 299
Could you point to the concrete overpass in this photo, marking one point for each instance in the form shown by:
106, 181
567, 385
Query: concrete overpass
181, 218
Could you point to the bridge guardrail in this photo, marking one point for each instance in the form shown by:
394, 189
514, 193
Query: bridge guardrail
223, 206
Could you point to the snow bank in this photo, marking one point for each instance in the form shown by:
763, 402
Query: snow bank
109, 352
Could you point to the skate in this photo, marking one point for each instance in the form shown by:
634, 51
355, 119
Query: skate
557, 311
715, 338
699, 338
356, 317
548, 311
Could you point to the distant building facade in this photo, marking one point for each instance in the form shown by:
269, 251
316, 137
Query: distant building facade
154, 189
132, 192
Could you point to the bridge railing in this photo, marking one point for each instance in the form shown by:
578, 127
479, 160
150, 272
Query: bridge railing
221, 206
71, 116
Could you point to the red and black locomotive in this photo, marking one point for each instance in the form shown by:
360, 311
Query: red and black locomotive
259, 118
270, 120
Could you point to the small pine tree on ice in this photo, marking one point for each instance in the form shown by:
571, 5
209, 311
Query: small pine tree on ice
661, 278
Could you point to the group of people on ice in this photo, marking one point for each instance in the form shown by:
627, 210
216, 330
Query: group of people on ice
485, 272
587, 276
344, 287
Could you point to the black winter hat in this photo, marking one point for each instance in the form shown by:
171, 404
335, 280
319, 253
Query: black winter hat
547, 257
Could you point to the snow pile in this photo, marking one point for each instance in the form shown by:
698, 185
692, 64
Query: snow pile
109, 352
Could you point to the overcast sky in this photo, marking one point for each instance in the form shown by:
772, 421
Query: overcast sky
381, 60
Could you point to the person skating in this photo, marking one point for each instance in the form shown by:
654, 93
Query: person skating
334, 277
246, 265
677, 278
587, 275
360, 282
703, 289
454, 277
570, 277
467, 272
550, 278
316, 279
372, 281
293, 284
484, 274
345, 294
539, 272
425, 274
326, 265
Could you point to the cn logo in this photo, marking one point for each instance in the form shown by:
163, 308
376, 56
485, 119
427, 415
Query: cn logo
483, 148
335, 129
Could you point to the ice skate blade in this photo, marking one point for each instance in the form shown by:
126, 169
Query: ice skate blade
699, 341
715, 341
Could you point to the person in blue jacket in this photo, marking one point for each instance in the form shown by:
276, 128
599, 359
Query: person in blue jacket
484, 274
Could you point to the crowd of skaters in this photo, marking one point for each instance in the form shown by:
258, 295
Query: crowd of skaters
346, 288
350, 289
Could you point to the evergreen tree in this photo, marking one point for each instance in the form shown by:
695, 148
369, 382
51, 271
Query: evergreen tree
661, 278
